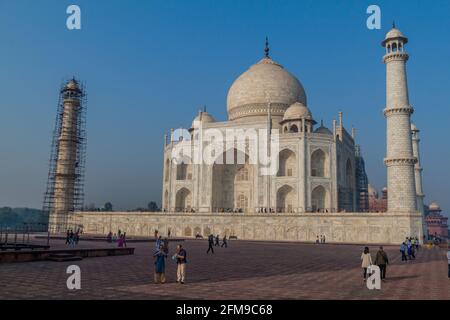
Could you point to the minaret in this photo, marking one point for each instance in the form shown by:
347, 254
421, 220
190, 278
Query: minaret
400, 159
65, 192
418, 171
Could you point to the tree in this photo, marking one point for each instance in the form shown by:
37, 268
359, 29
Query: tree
152, 206
108, 207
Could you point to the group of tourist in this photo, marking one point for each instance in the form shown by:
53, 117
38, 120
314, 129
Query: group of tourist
320, 239
160, 256
381, 260
408, 248
72, 238
120, 238
215, 241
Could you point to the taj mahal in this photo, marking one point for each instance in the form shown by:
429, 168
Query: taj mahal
316, 166
319, 186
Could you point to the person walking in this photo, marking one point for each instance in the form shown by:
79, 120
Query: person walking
403, 249
210, 244
165, 244
77, 236
366, 259
409, 249
224, 242
109, 237
68, 236
180, 257
448, 260
124, 236
71, 238
160, 265
323, 239
381, 260
217, 241
120, 242
158, 243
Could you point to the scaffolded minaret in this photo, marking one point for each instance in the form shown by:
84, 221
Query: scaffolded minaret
65, 181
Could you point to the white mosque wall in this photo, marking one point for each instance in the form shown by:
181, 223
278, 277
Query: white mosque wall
361, 228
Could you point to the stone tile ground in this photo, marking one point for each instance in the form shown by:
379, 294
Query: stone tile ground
245, 270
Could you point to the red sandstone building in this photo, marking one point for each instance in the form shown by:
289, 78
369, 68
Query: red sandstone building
437, 224
377, 203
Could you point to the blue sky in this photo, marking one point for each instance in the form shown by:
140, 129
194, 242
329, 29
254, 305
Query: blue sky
150, 65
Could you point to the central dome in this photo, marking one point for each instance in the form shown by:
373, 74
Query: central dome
264, 82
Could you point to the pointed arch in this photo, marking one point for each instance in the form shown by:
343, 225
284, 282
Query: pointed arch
319, 199
287, 163
318, 164
183, 200
285, 199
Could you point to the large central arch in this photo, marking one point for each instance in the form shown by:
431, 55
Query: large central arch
232, 185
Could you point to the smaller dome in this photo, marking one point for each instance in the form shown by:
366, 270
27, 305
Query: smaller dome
413, 127
371, 191
297, 111
203, 117
434, 206
322, 129
393, 34
385, 189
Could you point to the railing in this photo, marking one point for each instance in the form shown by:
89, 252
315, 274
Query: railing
19, 234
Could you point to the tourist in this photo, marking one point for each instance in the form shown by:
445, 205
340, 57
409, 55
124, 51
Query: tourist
166, 245
109, 237
160, 265
114, 238
224, 242
77, 236
71, 238
121, 241
217, 241
417, 244
180, 256
210, 244
448, 260
381, 260
317, 240
403, 249
410, 251
366, 259
323, 239
124, 237
158, 242
68, 236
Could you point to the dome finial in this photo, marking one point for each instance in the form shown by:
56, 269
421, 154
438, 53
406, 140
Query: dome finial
393, 24
266, 49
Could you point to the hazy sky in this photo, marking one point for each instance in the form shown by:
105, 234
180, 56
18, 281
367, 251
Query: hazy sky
150, 65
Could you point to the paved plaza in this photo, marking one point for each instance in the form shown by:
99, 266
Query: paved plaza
245, 270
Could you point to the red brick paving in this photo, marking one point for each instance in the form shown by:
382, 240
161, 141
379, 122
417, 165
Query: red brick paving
245, 270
